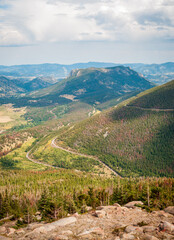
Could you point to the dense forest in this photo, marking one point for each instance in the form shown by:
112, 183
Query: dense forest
55, 193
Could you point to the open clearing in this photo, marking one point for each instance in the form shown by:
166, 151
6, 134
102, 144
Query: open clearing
10, 116
5, 119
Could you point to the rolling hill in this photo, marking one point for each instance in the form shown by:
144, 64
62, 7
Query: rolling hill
132, 140
94, 86
15, 87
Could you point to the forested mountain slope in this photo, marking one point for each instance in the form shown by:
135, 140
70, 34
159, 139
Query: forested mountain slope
131, 140
15, 87
95, 85
161, 97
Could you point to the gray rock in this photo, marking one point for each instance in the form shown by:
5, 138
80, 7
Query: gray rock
167, 227
133, 229
60, 237
20, 231
33, 226
149, 237
128, 236
133, 204
99, 214
167, 236
88, 208
116, 205
2, 230
10, 231
149, 229
96, 231
51, 226
67, 233
169, 210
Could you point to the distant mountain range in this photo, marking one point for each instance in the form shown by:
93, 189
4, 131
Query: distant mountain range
157, 73
47, 69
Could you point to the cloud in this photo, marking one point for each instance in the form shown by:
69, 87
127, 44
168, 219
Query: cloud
47, 21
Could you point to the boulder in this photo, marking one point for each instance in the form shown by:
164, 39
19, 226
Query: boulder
2, 230
88, 208
95, 231
128, 236
133, 204
149, 237
149, 229
169, 210
60, 237
33, 226
167, 227
10, 231
20, 231
116, 205
99, 214
44, 229
133, 229
67, 233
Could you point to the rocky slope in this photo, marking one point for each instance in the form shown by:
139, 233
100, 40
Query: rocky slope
107, 222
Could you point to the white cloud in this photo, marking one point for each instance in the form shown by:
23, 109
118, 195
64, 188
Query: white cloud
39, 21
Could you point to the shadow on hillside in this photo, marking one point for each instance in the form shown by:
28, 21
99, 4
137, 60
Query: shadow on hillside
127, 113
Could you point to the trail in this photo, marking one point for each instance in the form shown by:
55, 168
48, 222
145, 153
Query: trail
152, 109
53, 144
51, 111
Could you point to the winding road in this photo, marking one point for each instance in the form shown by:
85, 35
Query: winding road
152, 109
53, 144
35, 161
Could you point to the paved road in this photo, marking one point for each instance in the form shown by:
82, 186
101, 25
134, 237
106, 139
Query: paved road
152, 109
41, 163
53, 144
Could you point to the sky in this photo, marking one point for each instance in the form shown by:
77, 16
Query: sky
70, 31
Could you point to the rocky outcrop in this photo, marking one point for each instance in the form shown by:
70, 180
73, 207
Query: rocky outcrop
107, 222
169, 210
133, 204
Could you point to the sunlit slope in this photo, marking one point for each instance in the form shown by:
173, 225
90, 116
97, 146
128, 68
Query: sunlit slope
133, 141
161, 97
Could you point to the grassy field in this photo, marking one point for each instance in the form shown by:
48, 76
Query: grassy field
10, 116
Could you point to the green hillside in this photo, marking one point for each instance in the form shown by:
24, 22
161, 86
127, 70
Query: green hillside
161, 97
131, 140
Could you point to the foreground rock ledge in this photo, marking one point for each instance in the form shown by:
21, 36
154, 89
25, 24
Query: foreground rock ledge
107, 222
